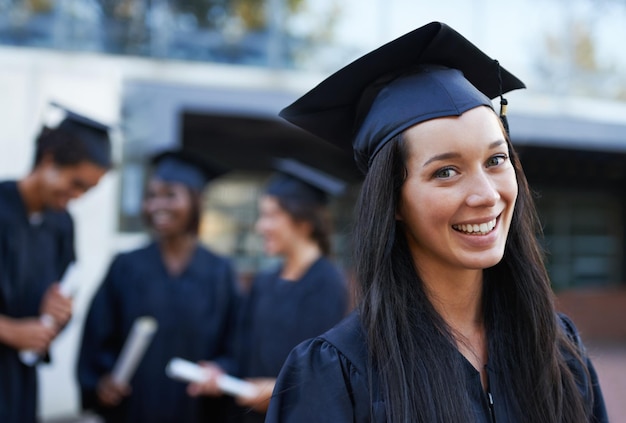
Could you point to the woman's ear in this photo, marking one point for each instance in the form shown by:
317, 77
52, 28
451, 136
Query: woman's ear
304, 228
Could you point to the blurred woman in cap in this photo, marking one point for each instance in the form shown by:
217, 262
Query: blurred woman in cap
187, 289
72, 153
456, 320
302, 298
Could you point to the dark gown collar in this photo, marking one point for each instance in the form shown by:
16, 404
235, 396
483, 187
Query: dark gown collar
305, 276
194, 265
20, 212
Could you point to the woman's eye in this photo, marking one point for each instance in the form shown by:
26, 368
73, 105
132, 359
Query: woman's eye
445, 173
497, 160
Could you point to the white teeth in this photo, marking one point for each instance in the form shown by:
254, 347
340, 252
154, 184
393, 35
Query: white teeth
481, 229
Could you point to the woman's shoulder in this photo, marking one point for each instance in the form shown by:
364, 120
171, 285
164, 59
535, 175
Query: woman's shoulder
124, 263
570, 330
325, 264
139, 253
330, 371
346, 340
581, 366
209, 256
325, 271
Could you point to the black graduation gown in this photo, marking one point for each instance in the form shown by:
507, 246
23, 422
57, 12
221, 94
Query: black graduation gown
195, 312
32, 257
325, 379
279, 314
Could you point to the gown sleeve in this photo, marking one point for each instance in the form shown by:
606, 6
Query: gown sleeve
229, 293
314, 385
591, 390
599, 409
100, 339
326, 380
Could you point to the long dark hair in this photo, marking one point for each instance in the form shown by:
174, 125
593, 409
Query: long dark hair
414, 362
316, 215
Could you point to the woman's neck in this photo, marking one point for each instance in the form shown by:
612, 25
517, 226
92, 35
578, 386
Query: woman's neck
177, 251
28, 188
298, 260
457, 297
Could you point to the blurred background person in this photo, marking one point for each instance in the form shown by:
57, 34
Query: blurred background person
37, 245
190, 291
303, 297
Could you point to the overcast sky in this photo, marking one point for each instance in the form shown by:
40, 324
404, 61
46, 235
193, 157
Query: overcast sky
514, 32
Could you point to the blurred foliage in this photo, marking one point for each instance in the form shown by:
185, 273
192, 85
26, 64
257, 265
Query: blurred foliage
253, 13
257, 32
39, 6
207, 13
570, 61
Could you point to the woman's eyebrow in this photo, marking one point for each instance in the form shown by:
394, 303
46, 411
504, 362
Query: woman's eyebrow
451, 155
443, 156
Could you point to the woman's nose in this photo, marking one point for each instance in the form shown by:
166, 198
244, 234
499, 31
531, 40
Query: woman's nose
482, 191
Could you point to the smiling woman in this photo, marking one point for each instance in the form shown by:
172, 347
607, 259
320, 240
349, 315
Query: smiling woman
302, 297
456, 321
187, 289
471, 184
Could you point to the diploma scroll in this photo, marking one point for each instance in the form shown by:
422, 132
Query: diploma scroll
187, 371
134, 349
67, 288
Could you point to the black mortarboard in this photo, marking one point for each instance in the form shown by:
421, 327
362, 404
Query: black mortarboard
94, 135
428, 73
299, 182
185, 167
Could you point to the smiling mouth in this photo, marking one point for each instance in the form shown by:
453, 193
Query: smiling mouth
161, 216
476, 228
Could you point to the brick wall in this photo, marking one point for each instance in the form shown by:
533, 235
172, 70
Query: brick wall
599, 314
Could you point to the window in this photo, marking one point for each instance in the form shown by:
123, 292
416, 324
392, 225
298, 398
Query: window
584, 238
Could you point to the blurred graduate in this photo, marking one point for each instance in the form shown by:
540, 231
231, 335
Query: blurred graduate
189, 291
72, 153
302, 298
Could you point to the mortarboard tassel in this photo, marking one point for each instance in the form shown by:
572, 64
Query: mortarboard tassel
503, 102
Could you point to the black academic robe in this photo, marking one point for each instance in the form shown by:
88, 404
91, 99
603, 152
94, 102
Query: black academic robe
195, 312
279, 314
33, 255
326, 380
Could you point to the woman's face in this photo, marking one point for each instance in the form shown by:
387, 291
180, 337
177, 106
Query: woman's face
458, 198
168, 207
279, 231
60, 184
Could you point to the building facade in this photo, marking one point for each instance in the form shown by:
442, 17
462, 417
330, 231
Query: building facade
165, 78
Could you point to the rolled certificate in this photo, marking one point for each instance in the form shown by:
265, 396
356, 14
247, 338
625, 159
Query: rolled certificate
187, 371
237, 387
134, 349
69, 282
67, 288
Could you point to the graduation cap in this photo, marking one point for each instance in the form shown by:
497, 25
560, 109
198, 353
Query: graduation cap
428, 73
93, 134
185, 167
297, 181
